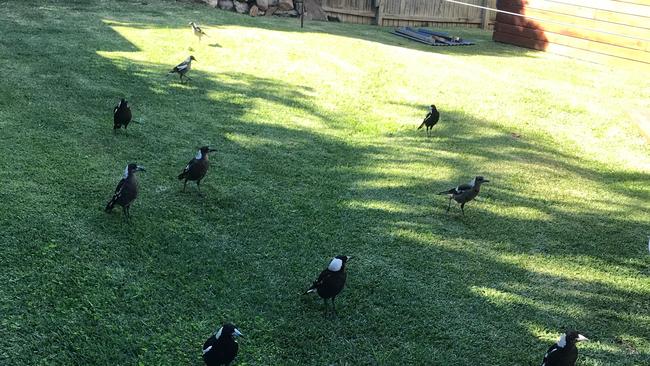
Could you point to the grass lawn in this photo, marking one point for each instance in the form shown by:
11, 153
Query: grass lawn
318, 156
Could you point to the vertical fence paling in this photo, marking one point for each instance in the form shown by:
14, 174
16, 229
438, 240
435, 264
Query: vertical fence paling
410, 12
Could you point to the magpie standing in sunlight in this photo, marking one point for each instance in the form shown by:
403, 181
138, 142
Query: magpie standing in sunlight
465, 192
126, 191
221, 348
331, 280
564, 352
121, 115
431, 119
196, 169
197, 31
183, 68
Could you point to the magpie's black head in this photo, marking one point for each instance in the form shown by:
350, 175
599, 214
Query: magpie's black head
132, 168
338, 263
228, 330
192, 58
206, 149
480, 179
433, 107
192, 23
123, 103
572, 336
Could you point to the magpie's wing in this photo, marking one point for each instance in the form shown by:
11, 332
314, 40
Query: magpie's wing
322, 278
209, 343
551, 356
463, 188
118, 189
189, 165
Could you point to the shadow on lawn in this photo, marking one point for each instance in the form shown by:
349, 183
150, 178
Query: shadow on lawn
210, 18
272, 221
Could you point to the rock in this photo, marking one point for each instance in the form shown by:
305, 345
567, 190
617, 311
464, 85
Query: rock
286, 13
314, 11
285, 5
273, 3
212, 3
263, 4
226, 4
270, 11
254, 11
240, 7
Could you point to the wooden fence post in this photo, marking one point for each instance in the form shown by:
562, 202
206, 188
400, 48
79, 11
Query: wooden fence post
485, 15
379, 11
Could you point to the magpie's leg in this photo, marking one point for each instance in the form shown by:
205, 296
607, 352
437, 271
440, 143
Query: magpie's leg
325, 312
449, 206
334, 306
462, 208
198, 187
184, 184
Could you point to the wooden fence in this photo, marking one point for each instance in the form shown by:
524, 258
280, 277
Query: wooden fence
416, 13
603, 31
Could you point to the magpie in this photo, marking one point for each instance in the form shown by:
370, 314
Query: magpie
183, 68
195, 170
564, 352
197, 31
221, 348
121, 115
431, 119
331, 280
465, 192
126, 191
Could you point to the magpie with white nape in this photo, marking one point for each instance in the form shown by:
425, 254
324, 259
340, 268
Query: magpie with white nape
183, 68
431, 118
221, 348
126, 191
196, 169
331, 280
465, 192
121, 115
564, 352
197, 31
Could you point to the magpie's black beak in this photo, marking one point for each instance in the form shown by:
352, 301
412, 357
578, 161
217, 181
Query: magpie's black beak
212, 150
140, 169
486, 181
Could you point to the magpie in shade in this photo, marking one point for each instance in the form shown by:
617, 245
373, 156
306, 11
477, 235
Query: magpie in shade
465, 192
431, 119
331, 280
196, 168
221, 348
126, 191
121, 115
197, 31
183, 68
564, 352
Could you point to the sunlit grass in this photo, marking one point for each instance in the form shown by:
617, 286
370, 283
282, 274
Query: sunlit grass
318, 155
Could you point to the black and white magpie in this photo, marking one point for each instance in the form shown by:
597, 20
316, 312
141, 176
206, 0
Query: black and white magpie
196, 169
126, 191
221, 348
331, 280
121, 115
431, 118
465, 192
197, 30
564, 352
183, 68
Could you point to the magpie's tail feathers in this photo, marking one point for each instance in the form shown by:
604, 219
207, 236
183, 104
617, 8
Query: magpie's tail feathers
422, 125
182, 176
110, 205
311, 289
451, 191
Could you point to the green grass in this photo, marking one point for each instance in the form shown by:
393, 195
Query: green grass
318, 156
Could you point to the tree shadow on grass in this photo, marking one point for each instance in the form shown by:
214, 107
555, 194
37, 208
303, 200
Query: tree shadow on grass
281, 199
